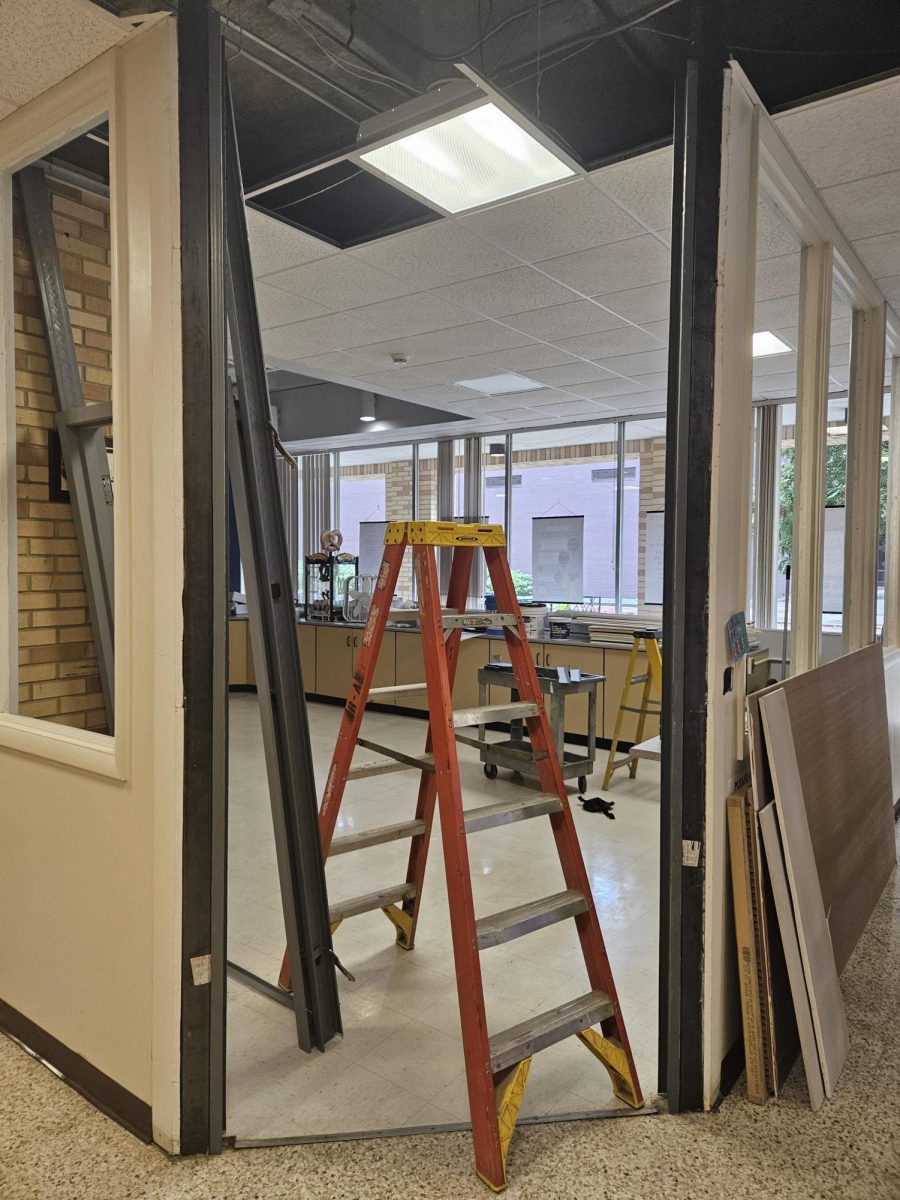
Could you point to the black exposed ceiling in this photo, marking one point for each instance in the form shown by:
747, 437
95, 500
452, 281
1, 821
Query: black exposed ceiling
597, 75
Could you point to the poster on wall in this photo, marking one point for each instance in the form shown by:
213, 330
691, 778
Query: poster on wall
833, 559
654, 543
371, 546
557, 559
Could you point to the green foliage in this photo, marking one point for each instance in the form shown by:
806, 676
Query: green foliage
835, 493
522, 582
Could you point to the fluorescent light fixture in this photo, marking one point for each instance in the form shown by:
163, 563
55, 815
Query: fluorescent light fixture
766, 343
462, 160
500, 385
367, 406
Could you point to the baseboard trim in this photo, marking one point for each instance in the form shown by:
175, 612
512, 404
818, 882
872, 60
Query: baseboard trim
104, 1093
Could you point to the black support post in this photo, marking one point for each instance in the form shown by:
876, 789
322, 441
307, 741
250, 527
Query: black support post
692, 335
200, 108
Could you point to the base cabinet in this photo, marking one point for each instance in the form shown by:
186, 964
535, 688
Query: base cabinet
334, 660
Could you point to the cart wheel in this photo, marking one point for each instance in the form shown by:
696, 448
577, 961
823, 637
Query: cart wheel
582, 783
490, 770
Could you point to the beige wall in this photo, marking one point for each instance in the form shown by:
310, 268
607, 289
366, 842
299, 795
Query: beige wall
90, 833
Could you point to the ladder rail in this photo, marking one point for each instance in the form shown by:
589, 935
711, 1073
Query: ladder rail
587, 923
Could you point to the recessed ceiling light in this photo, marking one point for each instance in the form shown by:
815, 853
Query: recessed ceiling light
766, 343
459, 160
500, 385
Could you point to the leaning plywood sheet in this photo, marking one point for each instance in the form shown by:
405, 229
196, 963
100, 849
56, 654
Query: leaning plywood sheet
768, 822
838, 715
816, 951
747, 927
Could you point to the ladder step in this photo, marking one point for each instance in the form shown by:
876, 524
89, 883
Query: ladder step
370, 902
526, 918
398, 689
375, 837
421, 762
507, 811
482, 715
365, 770
546, 1029
465, 620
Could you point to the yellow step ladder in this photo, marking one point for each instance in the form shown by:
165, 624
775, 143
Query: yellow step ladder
651, 698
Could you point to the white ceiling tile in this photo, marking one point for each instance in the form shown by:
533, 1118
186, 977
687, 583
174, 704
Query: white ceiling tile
339, 282
504, 292
464, 341
868, 206
433, 255
515, 416
531, 399
338, 363
880, 254
319, 335
393, 381
277, 307
275, 246
635, 365
526, 358
653, 379
571, 374
781, 383
774, 364
561, 220
659, 330
778, 277
564, 320
440, 393
403, 317
641, 304
777, 314
642, 185
773, 238
597, 272
612, 385
625, 340
847, 137
890, 286
571, 408
839, 354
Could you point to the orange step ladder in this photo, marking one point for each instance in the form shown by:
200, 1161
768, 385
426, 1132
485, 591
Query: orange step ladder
496, 1065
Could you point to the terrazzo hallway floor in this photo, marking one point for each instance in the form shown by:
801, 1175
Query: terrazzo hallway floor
400, 1062
55, 1146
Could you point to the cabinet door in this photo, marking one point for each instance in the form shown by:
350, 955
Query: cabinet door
334, 660
616, 670
237, 653
589, 660
385, 669
306, 642
410, 668
473, 654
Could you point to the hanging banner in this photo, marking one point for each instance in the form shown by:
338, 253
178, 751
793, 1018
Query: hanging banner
557, 559
654, 541
371, 546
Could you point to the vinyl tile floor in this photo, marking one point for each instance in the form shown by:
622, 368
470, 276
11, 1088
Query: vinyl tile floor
400, 1062
55, 1146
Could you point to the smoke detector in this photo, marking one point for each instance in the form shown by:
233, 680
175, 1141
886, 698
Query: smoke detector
399, 359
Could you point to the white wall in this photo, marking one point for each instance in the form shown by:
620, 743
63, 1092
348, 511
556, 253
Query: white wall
90, 840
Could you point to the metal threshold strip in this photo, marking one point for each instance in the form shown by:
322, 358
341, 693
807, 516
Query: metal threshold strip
365, 1135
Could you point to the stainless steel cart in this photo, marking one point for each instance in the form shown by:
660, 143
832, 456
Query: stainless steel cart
514, 752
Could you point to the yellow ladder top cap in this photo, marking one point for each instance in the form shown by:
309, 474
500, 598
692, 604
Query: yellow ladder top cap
444, 533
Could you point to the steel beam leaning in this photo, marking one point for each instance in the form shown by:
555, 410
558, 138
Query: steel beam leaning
273, 633
83, 443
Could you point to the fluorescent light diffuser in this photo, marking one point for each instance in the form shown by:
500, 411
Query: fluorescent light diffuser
500, 385
766, 343
468, 159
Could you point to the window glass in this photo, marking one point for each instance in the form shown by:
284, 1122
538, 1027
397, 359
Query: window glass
643, 512
566, 472
376, 485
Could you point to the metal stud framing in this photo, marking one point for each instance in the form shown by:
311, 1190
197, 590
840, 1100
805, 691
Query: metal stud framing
273, 633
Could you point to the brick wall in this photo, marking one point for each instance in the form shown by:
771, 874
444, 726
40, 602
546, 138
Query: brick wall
58, 677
